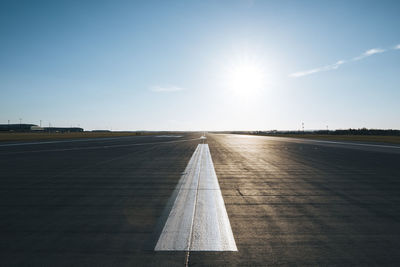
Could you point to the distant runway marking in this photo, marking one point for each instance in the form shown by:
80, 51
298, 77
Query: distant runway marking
97, 147
356, 144
69, 141
317, 141
338, 142
198, 220
169, 136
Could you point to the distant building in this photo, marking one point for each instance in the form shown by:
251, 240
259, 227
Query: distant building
20, 128
35, 128
63, 129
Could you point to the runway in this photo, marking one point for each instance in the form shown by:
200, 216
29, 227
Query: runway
289, 201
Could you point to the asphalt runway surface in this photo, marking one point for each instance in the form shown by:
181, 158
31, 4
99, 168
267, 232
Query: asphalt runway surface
290, 202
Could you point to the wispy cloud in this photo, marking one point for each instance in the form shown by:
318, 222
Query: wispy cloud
369, 53
336, 65
166, 88
324, 68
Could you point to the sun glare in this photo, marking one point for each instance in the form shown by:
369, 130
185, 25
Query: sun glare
245, 78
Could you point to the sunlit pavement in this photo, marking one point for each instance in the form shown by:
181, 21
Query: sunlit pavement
289, 202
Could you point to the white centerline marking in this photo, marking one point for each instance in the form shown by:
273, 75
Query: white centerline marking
198, 220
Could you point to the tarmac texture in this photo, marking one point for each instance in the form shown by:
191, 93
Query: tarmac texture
290, 202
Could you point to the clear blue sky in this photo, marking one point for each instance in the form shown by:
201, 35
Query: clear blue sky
177, 65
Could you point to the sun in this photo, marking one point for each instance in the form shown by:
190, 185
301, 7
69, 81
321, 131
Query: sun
245, 78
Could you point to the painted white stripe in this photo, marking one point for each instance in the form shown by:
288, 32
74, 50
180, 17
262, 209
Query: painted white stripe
350, 143
71, 140
198, 220
304, 140
98, 147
